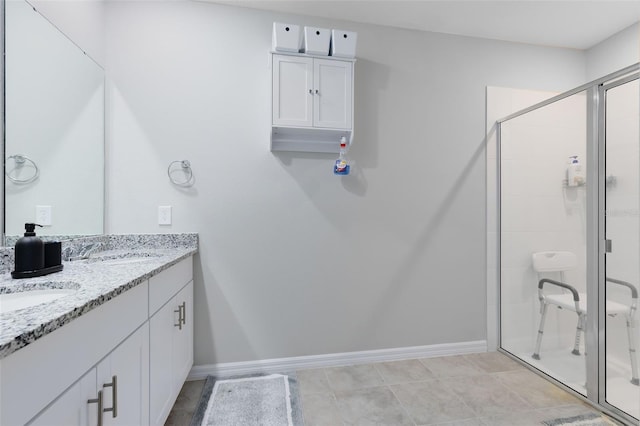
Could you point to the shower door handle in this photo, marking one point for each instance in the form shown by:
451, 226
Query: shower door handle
607, 246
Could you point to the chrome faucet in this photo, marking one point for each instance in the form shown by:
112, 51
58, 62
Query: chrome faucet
69, 254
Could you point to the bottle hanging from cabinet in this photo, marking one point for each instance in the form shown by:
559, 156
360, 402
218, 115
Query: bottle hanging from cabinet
341, 166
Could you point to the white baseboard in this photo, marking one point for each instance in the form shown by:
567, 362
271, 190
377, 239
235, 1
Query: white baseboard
199, 372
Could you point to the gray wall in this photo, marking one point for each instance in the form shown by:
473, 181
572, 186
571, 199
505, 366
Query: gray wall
616, 52
295, 261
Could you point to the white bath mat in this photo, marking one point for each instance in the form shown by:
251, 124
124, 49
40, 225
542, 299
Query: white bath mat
591, 419
247, 401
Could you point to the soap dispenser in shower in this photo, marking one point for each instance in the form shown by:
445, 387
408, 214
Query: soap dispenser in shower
575, 172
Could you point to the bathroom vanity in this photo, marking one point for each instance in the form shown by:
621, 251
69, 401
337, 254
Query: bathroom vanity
114, 346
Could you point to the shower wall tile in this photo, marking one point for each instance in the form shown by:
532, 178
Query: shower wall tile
519, 286
518, 331
517, 247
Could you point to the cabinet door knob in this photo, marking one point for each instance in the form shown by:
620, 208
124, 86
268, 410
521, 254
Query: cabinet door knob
114, 396
98, 401
317, 92
310, 92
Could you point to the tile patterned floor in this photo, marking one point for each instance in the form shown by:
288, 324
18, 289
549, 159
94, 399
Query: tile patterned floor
485, 389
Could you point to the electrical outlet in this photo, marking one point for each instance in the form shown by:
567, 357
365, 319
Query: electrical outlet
43, 215
164, 215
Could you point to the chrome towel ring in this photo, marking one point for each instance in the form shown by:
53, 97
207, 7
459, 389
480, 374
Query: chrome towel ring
185, 167
20, 161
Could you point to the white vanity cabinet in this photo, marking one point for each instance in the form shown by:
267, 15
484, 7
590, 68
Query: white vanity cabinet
312, 102
116, 389
171, 337
110, 356
34, 377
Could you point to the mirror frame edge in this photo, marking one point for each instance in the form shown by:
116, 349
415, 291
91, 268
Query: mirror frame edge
2, 119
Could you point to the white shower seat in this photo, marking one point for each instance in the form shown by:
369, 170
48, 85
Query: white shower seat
552, 261
565, 301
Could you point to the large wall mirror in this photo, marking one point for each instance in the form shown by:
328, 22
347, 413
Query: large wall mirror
54, 129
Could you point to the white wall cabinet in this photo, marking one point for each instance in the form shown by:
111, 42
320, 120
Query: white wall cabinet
131, 338
312, 103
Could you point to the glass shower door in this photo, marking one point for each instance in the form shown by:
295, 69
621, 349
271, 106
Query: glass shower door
622, 248
543, 257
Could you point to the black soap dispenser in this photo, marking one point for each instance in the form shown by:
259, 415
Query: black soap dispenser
29, 254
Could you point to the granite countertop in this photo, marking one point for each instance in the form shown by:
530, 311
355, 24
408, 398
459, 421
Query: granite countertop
125, 263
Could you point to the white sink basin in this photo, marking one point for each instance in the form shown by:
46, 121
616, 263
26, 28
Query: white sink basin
10, 302
122, 258
126, 261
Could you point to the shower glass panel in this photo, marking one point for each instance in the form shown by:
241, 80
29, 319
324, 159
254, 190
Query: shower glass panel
622, 229
543, 218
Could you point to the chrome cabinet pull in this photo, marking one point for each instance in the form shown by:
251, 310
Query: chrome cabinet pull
182, 315
179, 312
97, 400
114, 395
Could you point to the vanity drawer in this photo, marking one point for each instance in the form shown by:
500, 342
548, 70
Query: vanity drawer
167, 283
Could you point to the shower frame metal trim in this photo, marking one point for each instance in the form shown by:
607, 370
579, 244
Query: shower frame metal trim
607, 78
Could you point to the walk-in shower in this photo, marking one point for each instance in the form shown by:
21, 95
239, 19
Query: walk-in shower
569, 239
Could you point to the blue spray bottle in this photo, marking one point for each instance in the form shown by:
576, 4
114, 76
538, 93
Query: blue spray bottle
341, 166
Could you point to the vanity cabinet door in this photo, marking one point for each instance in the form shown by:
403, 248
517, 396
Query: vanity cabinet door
123, 377
162, 393
183, 338
72, 407
171, 355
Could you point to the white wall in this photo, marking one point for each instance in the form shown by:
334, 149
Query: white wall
616, 52
294, 261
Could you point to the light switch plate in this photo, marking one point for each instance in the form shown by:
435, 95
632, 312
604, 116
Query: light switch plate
43, 215
164, 215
